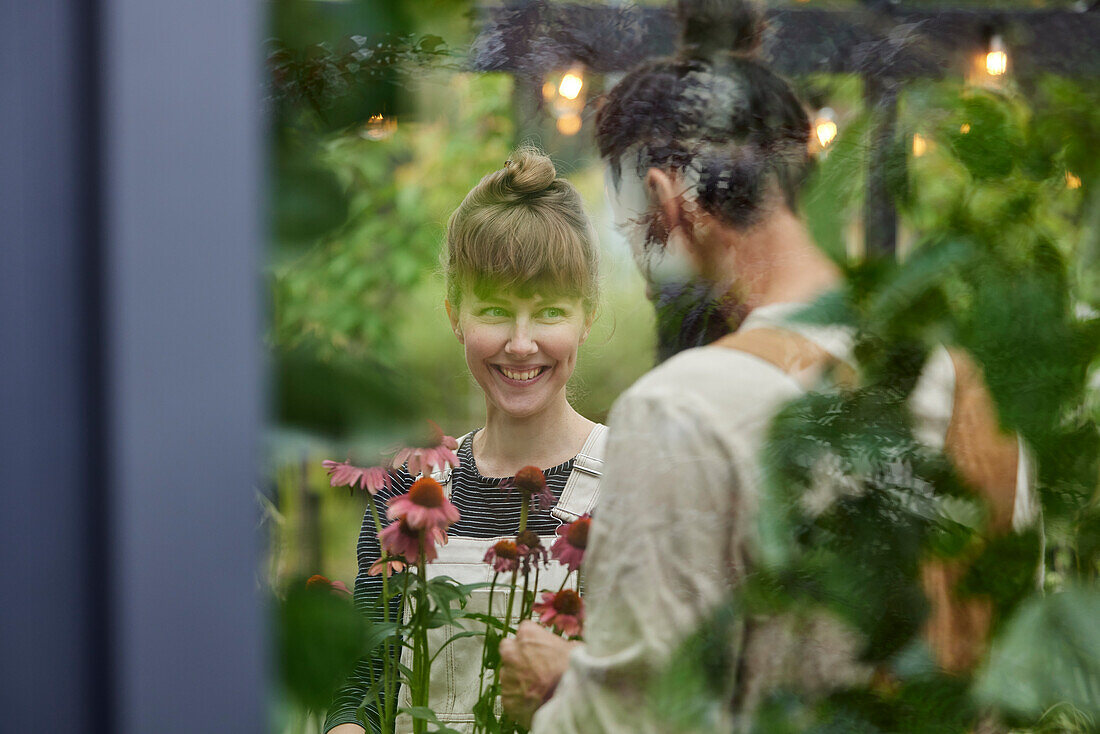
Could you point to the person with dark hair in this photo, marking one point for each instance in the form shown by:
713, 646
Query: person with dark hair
705, 153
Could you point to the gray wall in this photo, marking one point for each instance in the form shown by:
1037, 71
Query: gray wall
130, 366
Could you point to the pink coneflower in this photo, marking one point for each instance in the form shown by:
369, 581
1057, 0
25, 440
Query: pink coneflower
401, 539
531, 483
317, 581
572, 540
564, 611
424, 506
531, 550
504, 556
387, 567
342, 473
436, 453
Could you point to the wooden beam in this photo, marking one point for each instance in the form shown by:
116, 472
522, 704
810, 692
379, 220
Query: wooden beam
532, 38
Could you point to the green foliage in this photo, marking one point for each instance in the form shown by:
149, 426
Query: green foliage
423, 713
1049, 654
320, 637
338, 295
854, 504
344, 309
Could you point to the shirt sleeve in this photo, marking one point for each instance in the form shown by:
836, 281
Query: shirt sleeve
665, 545
367, 591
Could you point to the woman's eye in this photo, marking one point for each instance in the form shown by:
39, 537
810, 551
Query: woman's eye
495, 312
553, 312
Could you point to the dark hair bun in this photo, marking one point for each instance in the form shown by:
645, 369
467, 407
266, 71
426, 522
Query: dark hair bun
528, 171
713, 28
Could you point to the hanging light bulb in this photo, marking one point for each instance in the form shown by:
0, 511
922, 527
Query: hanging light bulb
378, 127
1072, 181
964, 128
825, 127
996, 59
571, 84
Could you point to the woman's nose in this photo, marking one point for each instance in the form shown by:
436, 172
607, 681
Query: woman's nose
522, 342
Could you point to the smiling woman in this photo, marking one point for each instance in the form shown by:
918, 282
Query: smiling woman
521, 267
520, 350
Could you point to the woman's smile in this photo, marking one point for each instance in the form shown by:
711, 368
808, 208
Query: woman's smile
521, 376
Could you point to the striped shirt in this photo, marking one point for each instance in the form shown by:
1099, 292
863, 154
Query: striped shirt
486, 512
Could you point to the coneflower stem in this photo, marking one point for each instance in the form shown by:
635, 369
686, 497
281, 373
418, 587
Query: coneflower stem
485, 646
535, 594
388, 669
507, 624
421, 668
523, 600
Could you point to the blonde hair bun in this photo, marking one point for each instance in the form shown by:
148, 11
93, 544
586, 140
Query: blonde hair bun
522, 227
528, 171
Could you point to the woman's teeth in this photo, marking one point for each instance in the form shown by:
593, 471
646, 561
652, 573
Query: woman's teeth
521, 375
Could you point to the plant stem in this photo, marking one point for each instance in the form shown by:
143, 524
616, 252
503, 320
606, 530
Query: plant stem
421, 665
507, 623
485, 647
388, 668
535, 594
524, 611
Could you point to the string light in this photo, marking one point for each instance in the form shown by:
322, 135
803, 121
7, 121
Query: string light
571, 84
825, 127
920, 145
964, 128
1072, 181
565, 101
378, 127
569, 124
996, 60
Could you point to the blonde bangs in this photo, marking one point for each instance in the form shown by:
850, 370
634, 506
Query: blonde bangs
527, 251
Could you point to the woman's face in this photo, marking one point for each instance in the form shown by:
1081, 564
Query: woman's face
521, 351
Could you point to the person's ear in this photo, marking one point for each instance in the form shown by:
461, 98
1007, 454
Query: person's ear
663, 196
589, 318
452, 315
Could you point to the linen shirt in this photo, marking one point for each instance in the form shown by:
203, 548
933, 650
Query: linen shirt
674, 535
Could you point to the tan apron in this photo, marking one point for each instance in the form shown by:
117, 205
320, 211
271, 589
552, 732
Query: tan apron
455, 672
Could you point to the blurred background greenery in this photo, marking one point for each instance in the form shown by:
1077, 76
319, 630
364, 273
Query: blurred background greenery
378, 130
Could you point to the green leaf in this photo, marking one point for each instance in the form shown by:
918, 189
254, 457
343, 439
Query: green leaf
987, 150
1047, 654
320, 639
1006, 571
457, 636
423, 713
488, 619
377, 633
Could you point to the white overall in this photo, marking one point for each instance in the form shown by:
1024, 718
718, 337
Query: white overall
455, 672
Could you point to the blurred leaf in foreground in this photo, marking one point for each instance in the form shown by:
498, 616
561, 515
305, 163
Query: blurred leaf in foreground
1026, 678
320, 636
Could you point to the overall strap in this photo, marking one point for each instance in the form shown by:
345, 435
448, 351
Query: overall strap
582, 489
987, 458
984, 455
443, 476
799, 357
